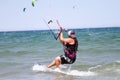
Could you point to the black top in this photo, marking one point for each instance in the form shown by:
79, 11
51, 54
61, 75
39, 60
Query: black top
72, 47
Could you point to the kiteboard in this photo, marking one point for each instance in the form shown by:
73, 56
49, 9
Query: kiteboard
43, 68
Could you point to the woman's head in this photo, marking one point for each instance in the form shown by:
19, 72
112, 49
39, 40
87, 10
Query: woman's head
71, 34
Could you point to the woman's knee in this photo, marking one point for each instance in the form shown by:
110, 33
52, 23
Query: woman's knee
57, 58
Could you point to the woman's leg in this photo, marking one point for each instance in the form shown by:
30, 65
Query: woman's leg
56, 62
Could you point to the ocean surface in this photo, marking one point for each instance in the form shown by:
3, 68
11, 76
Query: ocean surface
98, 52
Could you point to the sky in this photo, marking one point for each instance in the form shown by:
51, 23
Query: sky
69, 13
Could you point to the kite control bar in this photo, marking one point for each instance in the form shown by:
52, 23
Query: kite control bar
50, 29
56, 37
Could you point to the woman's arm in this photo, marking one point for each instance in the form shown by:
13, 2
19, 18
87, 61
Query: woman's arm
65, 40
61, 38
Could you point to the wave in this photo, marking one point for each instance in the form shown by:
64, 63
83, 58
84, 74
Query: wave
43, 68
112, 69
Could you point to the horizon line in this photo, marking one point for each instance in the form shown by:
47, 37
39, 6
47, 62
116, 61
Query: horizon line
55, 29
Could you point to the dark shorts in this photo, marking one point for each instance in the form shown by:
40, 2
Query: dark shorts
66, 60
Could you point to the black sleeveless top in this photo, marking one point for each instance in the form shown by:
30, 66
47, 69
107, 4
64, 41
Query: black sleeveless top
72, 47
70, 50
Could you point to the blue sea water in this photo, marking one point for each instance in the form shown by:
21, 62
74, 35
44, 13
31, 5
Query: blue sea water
99, 52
